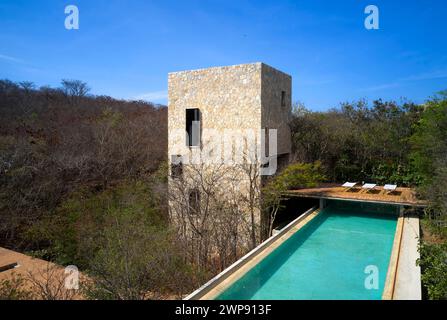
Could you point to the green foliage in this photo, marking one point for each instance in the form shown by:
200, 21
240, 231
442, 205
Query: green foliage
429, 143
437, 228
137, 260
74, 230
395, 173
121, 240
13, 289
433, 263
430, 139
55, 142
110, 118
359, 142
294, 176
429, 159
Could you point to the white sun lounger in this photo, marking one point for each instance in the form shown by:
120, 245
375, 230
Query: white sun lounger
390, 187
349, 185
369, 186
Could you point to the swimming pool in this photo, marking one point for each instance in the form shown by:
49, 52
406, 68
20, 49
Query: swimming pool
325, 259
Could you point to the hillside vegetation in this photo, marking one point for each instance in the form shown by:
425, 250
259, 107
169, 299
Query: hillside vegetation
78, 179
386, 142
83, 181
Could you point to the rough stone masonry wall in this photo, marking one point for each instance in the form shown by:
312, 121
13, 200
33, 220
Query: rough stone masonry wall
228, 98
274, 115
237, 97
246, 96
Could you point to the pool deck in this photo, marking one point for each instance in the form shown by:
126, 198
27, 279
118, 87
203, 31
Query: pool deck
401, 196
408, 277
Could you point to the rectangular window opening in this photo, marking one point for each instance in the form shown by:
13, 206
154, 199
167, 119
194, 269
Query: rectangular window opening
193, 127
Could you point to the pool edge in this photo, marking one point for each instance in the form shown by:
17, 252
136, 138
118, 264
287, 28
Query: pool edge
226, 278
408, 284
390, 282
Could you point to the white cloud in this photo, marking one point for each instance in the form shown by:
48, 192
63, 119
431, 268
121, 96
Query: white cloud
382, 87
439, 74
152, 96
12, 59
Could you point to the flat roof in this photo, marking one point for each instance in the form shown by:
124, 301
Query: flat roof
27, 266
401, 196
24, 263
229, 67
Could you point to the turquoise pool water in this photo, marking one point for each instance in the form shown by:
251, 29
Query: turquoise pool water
326, 259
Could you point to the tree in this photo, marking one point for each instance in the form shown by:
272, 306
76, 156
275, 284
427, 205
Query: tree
294, 176
14, 289
433, 262
429, 156
429, 142
75, 88
47, 283
51, 149
138, 261
213, 207
358, 141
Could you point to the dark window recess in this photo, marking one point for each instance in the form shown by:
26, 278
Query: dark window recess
283, 161
194, 202
176, 166
283, 98
193, 127
265, 148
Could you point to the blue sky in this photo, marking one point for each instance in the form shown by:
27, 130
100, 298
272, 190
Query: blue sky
126, 48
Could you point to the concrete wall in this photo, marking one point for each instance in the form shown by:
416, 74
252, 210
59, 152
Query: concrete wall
408, 273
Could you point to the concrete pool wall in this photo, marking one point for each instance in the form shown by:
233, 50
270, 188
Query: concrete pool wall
408, 273
403, 276
390, 281
223, 280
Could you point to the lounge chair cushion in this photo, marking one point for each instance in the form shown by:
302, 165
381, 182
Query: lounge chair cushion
349, 184
390, 187
369, 185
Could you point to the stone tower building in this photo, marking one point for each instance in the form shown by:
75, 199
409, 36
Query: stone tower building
208, 111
